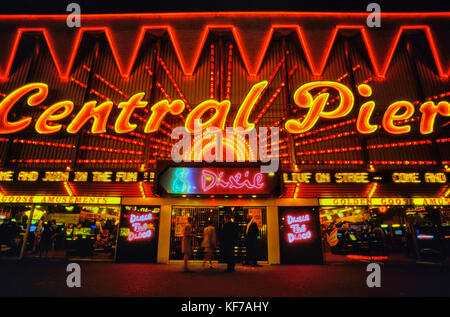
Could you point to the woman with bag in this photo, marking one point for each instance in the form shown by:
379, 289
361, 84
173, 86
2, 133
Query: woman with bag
209, 243
186, 245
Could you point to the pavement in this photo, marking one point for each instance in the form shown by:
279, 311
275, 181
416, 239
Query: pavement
48, 278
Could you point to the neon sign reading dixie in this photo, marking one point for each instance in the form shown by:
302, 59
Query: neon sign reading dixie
393, 120
238, 180
221, 181
299, 228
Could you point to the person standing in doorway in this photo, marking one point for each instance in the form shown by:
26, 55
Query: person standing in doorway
186, 244
46, 239
229, 238
251, 239
209, 243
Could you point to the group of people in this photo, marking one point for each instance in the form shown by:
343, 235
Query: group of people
228, 239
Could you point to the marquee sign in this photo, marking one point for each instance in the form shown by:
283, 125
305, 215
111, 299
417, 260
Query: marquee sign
391, 201
21, 199
47, 123
217, 181
398, 177
76, 176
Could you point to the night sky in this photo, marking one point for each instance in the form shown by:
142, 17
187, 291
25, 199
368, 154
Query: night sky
130, 6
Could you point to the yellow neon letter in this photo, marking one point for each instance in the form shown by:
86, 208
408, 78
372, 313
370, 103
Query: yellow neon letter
123, 124
247, 106
365, 112
159, 111
9, 101
304, 99
391, 115
49, 115
100, 115
429, 111
217, 120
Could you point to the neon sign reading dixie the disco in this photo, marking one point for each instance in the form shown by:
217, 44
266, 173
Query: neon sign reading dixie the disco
393, 120
299, 228
139, 227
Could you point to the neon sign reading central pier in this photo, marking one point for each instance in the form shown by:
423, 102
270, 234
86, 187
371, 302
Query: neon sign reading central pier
393, 121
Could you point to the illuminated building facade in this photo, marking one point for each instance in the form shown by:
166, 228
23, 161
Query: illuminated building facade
87, 114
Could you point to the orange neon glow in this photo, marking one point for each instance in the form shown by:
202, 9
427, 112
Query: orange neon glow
42, 125
429, 111
240, 149
316, 60
159, 111
365, 90
123, 124
304, 99
99, 113
125, 45
365, 112
10, 100
391, 115
241, 120
217, 120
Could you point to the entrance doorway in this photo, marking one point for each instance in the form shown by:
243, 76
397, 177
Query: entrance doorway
202, 215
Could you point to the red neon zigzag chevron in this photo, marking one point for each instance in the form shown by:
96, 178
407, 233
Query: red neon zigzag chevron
252, 33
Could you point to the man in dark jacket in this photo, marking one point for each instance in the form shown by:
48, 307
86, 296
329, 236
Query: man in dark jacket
229, 238
251, 238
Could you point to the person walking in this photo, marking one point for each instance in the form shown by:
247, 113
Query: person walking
228, 241
38, 235
186, 244
209, 243
251, 240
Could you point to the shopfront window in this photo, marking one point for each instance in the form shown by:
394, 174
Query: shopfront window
397, 233
360, 232
429, 233
13, 225
202, 215
73, 231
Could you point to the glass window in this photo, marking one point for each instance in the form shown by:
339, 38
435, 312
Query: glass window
358, 232
202, 216
74, 231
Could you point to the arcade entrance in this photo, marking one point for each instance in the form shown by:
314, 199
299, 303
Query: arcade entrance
387, 233
200, 218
